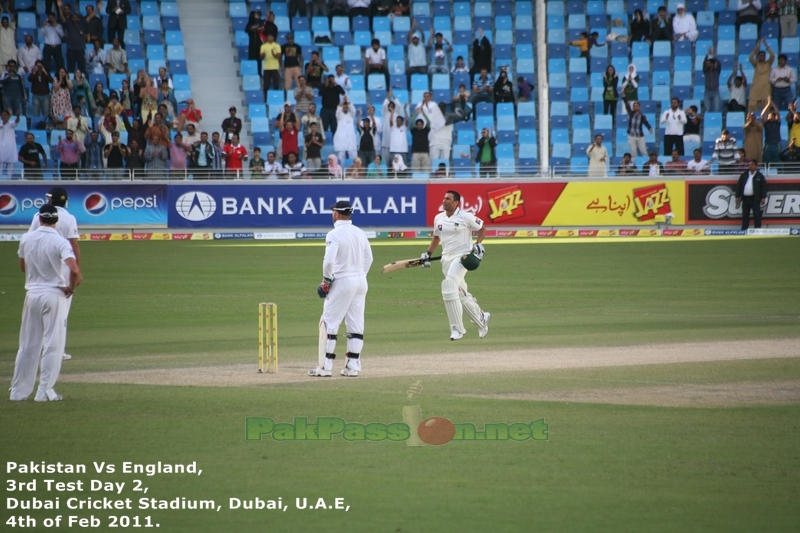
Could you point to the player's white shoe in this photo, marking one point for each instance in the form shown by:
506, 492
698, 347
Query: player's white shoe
319, 372
49, 396
66, 357
349, 372
484, 328
455, 334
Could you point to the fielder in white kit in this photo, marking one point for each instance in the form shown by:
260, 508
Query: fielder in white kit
348, 257
67, 227
453, 228
41, 337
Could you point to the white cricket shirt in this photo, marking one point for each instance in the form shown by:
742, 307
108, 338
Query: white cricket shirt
455, 232
44, 252
66, 226
347, 251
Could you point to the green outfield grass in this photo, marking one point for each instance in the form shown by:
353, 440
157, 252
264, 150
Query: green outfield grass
603, 468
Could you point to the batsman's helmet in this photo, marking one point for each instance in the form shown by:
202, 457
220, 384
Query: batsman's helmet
470, 262
58, 196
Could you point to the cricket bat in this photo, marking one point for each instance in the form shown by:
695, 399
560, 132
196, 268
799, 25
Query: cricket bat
405, 263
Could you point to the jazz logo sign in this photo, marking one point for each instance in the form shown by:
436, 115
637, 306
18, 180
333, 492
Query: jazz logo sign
506, 204
651, 202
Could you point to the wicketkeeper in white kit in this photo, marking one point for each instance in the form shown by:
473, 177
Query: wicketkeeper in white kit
453, 228
348, 257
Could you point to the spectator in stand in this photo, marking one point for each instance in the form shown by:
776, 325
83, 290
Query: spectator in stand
254, 26
315, 69
788, 20
598, 158
485, 154
79, 125
178, 152
481, 54
337, 8
366, 145
155, 157
389, 105
319, 8
460, 67
583, 47
217, 146
439, 63
234, 155
191, 136
190, 115
292, 61
359, 8
627, 167
751, 195
771, 119
652, 167
482, 89
461, 102
630, 84
294, 168
60, 102
441, 136
53, 37
297, 7
331, 96
772, 12
399, 168
272, 169
28, 154
356, 171
344, 140
691, 130
711, 71
333, 170
742, 162
232, 125
376, 60
117, 60
75, 34
309, 118
8, 144
398, 142
289, 139
40, 81
117, 11
503, 90
96, 58
400, 8
790, 157
753, 138
737, 87
256, 163
673, 119
676, 166
698, 165
524, 90
95, 143
271, 54
28, 55
13, 86
684, 26
381, 8
269, 28
725, 153
202, 153
661, 26
636, 121
782, 78
640, 27
342, 79
610, 93
760, 90
69, 152
793, 122
313, 147
420, 145
115, 154
165, 117
748, 12
163, 76
417, 60
378, 124
376, 169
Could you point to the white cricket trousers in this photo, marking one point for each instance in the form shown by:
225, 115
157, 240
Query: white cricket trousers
453, 269
41, 338
346, 301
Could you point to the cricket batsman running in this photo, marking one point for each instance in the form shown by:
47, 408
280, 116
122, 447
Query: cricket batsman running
348, 257
453, 228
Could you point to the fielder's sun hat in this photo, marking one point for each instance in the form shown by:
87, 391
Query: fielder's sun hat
343, 207
48, 212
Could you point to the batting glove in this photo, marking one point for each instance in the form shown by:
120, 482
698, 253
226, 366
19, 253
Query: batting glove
324, 287
426, 260
478, 250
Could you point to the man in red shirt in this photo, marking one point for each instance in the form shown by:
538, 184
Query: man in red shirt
289, 136
190, 115
234, 154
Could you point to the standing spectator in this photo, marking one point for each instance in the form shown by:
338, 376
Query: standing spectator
376, 169
289, 139
342, 79
503, 90
14, 98
292, 61
636, 121
481, 54
315, 69
684, 26
482, 89
235, 155
331, 95
725, 152
190, 115
27, 55
583, 47
793, 122
79, 124
115, 154
217, 145
486, 154
69, 152
772, 12
8, 40
630, 84
59, 97
400, 8
366, 145
652, 167
417, 62
253, 29
117, 60
760, 90
156, 155
711, 71
660, 26
381, 8
524, 90
28, 155
178, 152
271, 54
313, 146
737, 87
203, 153
398, 143
753, 138
191, 136
640, 27
118, 11
297, 7
440, 50
125, 98
782, 78
232, 125
311, 117
135, 160
742, 163
627, 167
75, 34
748, 12
610, 94
377, 123
691, 131
356, 170
337, 8
441, 138
8, 144
96, 59
751, 195
40, 81
53, 36
598, 158
344, 140
149, 98
674, 120
376, 60
389, 105
319, 8
94, 24
788, 13
94, 144
303, 97
675, 165
359, 8
420, 145
771, 119
698, 165
256, 163
269, 28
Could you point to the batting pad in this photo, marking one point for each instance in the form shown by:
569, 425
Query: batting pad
323, 340
452, 304
471, 307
